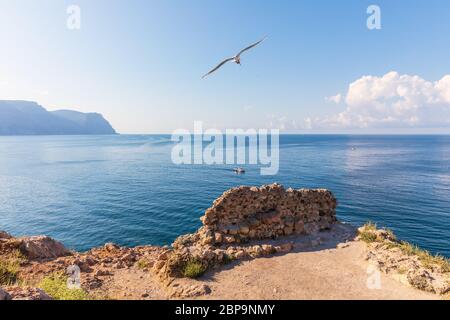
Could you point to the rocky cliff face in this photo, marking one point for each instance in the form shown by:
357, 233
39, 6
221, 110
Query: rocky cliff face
34, 248
29, 118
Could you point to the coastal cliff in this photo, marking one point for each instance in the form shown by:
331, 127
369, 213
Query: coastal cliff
255, 243
29, 118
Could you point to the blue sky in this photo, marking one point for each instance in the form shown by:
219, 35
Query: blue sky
140, 63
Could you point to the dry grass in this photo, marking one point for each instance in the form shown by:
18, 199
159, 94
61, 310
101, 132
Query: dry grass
10, 266
426, 258
368, 233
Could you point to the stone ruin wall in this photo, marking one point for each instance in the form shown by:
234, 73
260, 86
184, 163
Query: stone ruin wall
243, 214
250, 213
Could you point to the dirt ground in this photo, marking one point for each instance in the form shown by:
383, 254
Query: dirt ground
326, 266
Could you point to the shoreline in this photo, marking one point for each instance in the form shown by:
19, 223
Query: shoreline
282, 244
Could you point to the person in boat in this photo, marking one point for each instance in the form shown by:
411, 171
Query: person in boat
239, 170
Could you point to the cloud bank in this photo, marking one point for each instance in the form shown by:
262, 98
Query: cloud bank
391, 101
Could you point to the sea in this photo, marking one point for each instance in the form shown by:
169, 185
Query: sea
89, 190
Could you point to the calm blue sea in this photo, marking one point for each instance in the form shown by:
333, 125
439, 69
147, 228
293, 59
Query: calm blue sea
88, 190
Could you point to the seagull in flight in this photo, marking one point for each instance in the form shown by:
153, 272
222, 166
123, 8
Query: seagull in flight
236, 58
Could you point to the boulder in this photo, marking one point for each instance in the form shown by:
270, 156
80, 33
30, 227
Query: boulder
5, 235
43, 247
111, 247
4, 295
421, 279
28, 293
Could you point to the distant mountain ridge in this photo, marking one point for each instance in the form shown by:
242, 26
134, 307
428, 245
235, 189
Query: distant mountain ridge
29, 118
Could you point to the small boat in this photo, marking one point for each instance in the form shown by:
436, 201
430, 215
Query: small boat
239, 170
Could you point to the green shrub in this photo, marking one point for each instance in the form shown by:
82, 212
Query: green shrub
143, 264
227, 259
8, 273
193, 269
9, 267
368, 236
367, 232
55, 285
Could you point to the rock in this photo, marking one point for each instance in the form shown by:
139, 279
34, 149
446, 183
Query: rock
380, 234
158, 265
4, 295
421, 280
28, 293
284, 248
218, 237
268, 249
241, 254
5, 235
190, 291
83, 265
244, 230
311, 228
299, 227
101, 273
42, 247
288, 231
343, 245
90, 261
128, 258
289, 221
119, 265
253, 222
229, 239
233, 230
410, 267
111, 247
257, 250
386, 235
92, 283
163, 255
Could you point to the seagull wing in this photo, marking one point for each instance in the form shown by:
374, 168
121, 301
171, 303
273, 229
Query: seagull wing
249, 47
218, 66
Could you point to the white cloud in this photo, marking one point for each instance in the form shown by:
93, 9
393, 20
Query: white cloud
336, 99
392, 100
285, 123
